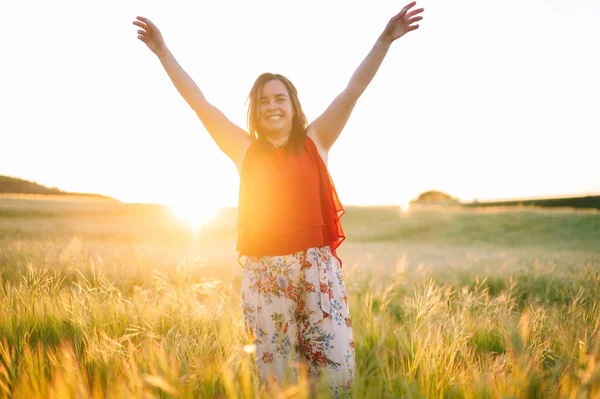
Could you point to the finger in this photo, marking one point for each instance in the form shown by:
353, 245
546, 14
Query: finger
147, 22
141, 32
415, 12
411, 28
415, 19
140, 24
142, 38
403, 12
409, 6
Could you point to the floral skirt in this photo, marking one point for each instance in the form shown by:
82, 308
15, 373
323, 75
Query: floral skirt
297, 308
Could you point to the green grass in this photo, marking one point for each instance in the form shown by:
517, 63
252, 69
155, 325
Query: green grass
102, 299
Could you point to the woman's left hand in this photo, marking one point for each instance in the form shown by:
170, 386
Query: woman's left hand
403, 22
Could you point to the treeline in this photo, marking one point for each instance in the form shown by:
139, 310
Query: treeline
587, 202
13, 185
19, 186
438, 198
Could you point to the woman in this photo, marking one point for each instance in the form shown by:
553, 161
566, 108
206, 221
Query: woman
293, 294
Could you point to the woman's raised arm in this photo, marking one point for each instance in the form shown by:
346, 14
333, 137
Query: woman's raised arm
327, 127
230, 138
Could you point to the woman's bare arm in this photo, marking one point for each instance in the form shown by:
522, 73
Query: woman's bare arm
326, 128
230, 138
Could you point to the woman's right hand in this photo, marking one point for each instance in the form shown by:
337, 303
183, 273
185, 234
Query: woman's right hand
150, 35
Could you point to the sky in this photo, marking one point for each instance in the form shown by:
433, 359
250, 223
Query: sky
486, 100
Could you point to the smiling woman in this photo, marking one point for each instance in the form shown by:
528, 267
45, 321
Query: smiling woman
288, 219
196, 213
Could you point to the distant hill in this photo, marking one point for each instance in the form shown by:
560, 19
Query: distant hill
435, 198
13, 185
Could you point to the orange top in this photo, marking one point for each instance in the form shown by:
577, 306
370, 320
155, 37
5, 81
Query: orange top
287, 202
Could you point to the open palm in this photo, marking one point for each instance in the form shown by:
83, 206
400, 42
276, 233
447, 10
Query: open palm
403, 22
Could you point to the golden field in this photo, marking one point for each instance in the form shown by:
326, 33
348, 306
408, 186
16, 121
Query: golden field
104, 299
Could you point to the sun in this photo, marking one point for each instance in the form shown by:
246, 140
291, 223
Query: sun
196, 213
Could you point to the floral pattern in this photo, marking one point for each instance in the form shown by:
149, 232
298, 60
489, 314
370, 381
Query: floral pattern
296, 307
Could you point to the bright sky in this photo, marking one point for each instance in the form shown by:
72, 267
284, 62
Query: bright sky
486, 100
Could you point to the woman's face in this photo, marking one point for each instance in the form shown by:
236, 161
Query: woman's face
275, 109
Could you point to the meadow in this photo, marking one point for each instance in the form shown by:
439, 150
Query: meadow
102, 299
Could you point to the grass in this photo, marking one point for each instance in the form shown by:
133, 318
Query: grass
102, 299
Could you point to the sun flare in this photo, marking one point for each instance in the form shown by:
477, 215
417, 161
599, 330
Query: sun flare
195, 213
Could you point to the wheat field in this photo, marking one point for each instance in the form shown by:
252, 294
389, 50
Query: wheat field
100, 299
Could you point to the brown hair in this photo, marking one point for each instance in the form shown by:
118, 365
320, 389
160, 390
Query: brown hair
299, 122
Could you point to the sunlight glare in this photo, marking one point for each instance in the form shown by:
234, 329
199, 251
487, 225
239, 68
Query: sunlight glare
404, 207
195, 213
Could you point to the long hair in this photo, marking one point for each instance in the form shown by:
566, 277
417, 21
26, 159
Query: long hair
299, 122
